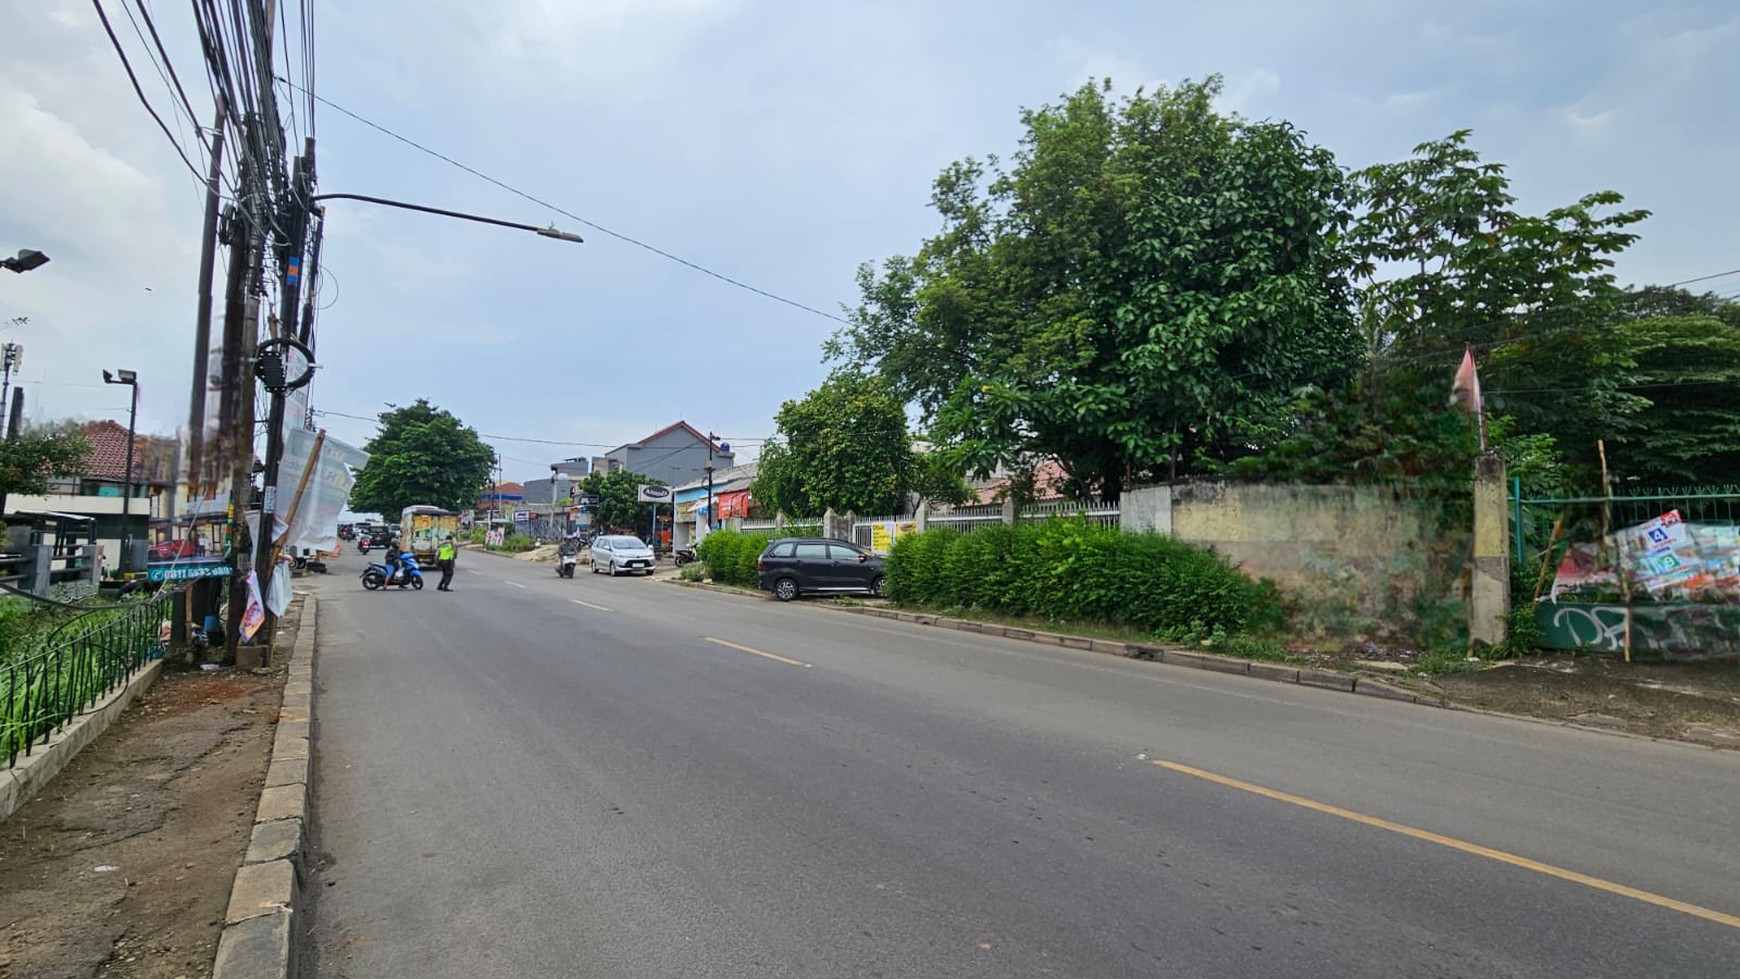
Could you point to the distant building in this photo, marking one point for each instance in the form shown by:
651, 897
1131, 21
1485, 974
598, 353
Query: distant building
541, 491
97, 491
675, 454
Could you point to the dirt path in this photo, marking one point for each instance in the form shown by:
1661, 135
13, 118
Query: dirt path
121, 867
1687, 702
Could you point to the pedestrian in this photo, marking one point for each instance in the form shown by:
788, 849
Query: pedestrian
444, 557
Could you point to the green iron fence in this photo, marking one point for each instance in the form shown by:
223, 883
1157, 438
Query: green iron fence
41, 691
1620, 610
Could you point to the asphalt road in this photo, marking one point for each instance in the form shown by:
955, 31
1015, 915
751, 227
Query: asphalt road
625, 778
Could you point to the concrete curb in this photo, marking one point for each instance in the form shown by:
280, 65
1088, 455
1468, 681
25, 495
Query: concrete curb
1264, 670
259, 936
19, 783
1170, 655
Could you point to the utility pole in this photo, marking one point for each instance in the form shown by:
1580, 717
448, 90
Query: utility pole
202, 319
711, 525
295, 220
236, 414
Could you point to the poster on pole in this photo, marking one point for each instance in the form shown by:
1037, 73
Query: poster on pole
649, 493
255, 612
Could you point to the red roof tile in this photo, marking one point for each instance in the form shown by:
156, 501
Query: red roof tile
109, 451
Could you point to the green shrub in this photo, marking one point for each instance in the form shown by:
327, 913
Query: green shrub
730, 556
516, 542
693, 571
1070, 570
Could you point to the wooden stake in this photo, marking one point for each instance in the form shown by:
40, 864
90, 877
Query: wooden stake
1606, 529
1547, 557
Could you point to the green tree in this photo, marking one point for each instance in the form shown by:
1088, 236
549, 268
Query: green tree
1686, 370
845, 445
1139, 294
1444, 261
421, 455
617, 504
30, 460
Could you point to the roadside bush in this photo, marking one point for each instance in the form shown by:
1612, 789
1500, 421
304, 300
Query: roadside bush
730, 556
516, 542
1069, 570
693, 571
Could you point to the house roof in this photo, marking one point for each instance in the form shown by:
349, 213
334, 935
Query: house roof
108, 458
723, 477
1048, 476
674, 426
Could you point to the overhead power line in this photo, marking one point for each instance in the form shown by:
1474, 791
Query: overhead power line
628, 239
140, 91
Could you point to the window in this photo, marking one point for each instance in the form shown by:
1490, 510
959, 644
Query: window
814, 550
844, 552
781, 550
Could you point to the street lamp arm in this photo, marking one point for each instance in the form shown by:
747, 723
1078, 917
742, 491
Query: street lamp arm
550, 232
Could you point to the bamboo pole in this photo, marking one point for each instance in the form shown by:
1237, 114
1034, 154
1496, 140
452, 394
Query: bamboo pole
1606, 529
301, 487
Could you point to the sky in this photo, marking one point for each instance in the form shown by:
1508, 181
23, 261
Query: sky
780, 144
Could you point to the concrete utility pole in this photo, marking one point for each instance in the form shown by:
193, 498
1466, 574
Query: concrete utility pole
196, 480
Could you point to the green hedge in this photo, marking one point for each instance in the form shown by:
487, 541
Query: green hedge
731, 556
1069, 570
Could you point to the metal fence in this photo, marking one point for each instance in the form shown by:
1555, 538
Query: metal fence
1100, 514
42, 691
1653, 571
966, 517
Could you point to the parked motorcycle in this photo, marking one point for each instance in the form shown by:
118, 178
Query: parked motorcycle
685, 555
378, 576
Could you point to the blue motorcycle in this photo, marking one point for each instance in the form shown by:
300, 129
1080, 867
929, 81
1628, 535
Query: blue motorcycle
378, 576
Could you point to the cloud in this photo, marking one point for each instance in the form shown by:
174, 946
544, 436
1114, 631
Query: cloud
1244, 91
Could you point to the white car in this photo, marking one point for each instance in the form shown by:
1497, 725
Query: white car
619, 554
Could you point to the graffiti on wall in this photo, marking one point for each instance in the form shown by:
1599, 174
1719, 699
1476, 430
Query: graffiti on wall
1680, 631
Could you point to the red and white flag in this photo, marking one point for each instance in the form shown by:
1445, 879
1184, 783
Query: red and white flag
1465, 391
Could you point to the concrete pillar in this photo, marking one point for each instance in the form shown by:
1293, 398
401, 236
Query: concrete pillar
1146, 508
37, 574
1009, 510
1489, 584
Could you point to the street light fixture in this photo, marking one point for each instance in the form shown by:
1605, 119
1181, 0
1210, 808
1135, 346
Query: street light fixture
130, 379
28, 258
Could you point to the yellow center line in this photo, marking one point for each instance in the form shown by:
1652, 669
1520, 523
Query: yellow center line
514, 583
757, 652
600, 608
1501, 856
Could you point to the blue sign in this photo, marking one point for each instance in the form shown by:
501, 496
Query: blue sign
186, 572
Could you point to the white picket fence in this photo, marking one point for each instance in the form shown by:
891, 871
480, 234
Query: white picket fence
962, 518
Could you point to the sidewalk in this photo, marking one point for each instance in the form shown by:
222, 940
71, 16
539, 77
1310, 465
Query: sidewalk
122, 865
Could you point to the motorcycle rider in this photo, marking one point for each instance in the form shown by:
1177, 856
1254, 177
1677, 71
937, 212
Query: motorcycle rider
568, 552
394, 565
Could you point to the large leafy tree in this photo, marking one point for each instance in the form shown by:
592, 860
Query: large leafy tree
30, 459
1445, 261
617, 492
845, 445
1139, 293
421, 455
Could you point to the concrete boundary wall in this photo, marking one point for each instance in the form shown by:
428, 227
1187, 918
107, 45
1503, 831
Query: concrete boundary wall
1349, 560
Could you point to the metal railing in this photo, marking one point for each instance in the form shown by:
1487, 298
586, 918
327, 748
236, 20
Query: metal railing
42, 690
1101, 514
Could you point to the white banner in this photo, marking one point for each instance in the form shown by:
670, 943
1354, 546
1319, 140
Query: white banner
326, 494
653, 494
